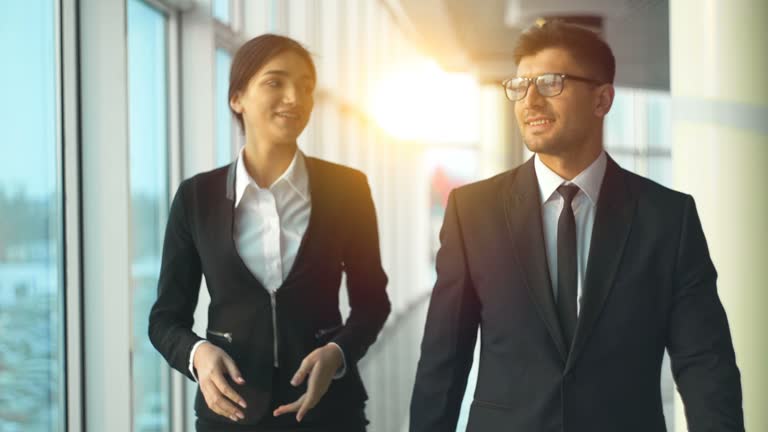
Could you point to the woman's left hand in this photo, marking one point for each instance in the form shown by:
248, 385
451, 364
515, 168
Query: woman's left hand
321, 365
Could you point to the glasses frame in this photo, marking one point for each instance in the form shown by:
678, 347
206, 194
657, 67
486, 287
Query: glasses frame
535, 81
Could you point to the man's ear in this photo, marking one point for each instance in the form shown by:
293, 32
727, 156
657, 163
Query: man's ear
604, 100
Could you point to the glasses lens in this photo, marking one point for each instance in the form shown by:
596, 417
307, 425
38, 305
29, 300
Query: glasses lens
516, 88
549, 84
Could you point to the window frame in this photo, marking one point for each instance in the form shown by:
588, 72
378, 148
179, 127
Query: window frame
176, 414
70, 164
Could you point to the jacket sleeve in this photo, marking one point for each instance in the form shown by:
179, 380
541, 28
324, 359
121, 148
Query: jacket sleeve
366, 280
450, 334
171, 317
699, 340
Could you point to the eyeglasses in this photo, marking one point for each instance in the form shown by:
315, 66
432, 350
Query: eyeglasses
548, 85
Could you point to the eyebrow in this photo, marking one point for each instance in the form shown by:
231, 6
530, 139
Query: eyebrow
284, 73
276, 72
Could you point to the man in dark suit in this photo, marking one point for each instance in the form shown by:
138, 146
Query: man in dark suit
578, 272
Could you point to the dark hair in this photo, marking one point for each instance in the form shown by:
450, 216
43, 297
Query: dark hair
254, 54
586, 46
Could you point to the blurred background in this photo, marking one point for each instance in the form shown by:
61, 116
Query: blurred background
106, 105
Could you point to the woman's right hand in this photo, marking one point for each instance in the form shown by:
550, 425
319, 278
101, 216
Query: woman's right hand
212, 363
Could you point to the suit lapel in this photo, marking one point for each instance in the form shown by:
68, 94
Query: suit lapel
226, 222
613, 220
318, 217
522, 207
231, 171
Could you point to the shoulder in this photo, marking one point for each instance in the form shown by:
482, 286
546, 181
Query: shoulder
205, 177
340, 177
653, 196
204, 183
483, 193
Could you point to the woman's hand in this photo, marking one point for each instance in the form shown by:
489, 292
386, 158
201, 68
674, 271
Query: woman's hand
321, 365
212, 363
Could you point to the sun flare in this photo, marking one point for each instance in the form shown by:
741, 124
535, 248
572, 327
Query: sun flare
418, 101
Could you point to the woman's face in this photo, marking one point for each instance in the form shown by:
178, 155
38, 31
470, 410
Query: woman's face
278, 101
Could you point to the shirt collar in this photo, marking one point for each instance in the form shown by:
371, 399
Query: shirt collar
589, 180
295, 176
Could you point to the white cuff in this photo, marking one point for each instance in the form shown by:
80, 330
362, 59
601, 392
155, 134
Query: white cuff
343, 369
192, 358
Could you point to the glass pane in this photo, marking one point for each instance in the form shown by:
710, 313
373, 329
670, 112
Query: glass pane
660, 170
274, 16
221, 10
224, 146
148, 130
659, 122
446, 169
31, 247
618, 127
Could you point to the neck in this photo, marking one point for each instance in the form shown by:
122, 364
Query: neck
266, 161
569, 165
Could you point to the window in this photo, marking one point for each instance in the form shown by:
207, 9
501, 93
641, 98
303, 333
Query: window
638, 132
31, 245
224, 144
221, 10
149, 178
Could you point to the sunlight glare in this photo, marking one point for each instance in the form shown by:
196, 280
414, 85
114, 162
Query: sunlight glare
419, 101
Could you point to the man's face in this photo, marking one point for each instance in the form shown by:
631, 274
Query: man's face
562, 124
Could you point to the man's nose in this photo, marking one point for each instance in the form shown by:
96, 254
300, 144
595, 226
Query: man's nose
533, 98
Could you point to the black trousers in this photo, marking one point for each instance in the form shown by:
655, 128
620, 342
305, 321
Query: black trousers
286, 422
205, 426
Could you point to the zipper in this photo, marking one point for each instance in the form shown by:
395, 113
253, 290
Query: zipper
227, 335
489, 404
274, 324
322, 332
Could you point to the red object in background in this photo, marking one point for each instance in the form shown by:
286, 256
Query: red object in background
442, 184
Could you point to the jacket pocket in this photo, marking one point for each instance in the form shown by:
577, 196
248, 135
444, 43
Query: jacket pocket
222, 336
258, 401
325, 335
255, 391
234, 348
489, 404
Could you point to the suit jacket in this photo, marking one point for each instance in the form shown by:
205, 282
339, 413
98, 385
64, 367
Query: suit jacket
649, 285
341, 237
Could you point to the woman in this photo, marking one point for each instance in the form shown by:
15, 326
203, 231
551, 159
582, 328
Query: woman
272, 233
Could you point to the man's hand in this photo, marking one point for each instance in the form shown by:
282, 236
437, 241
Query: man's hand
321, 365
212, 363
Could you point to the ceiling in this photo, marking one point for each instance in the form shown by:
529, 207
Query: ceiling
478, 36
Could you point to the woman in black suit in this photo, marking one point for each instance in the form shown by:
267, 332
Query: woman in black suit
272, 233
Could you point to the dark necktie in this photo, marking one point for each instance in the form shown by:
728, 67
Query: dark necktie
567, 284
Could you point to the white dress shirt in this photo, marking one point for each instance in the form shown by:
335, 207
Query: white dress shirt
270, 222
269, 226
584, 205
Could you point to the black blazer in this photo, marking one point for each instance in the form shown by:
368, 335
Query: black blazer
649, 285
341, 237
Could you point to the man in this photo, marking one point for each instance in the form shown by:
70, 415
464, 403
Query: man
579, 273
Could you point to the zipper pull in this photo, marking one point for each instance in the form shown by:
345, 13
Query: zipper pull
227, 335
